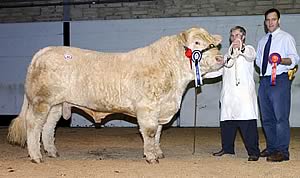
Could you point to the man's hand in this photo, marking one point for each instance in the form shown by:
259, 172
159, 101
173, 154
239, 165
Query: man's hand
236, 44
286, 61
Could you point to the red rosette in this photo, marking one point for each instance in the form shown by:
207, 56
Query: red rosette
188, 53
274, 59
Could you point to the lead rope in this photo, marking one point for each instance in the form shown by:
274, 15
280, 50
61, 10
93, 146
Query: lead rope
233, 53
195, 122
195, 57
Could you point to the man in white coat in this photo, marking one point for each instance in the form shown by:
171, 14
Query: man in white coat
238, 98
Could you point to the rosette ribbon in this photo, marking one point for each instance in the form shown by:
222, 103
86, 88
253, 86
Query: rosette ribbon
195, 58
274, 60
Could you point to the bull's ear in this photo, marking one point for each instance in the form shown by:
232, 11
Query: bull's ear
183, 37
218, 38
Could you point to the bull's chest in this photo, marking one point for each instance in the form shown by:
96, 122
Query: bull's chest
168, 108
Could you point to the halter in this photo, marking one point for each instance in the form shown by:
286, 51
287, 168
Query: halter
195, 57
233, 53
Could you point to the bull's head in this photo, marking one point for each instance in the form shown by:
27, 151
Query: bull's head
202, 49
199, 39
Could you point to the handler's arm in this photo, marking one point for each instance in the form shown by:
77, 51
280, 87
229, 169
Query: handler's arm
291, 58
286, 61
249, 53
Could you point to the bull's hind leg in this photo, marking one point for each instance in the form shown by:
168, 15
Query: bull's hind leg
48, 130
159, 152
35, 119
148, 126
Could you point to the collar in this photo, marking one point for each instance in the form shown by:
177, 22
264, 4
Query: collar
275, 32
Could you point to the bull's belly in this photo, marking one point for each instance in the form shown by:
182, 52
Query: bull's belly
97, 115
110, 108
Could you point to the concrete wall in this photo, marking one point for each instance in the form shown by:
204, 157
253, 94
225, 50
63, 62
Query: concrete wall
18, 42
100, 10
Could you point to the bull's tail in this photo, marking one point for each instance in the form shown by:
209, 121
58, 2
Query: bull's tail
17, 129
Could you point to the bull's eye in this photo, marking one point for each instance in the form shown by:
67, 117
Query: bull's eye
197, 43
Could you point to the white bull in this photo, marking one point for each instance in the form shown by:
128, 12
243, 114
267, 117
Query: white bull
147, 83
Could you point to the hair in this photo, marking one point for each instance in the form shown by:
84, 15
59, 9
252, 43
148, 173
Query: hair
242, 30
272, 10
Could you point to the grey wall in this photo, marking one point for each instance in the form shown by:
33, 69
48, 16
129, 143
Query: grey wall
139, 9
19, 41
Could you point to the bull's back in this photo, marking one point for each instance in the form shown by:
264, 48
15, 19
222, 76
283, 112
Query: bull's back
101, 81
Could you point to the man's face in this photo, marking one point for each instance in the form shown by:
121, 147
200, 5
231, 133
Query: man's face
272, 22
236, 34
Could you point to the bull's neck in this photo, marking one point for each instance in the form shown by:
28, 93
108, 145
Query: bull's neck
173, 56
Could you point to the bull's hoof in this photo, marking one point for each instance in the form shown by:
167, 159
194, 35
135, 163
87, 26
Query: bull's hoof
37, 161
152, 161
53, 155
161, 156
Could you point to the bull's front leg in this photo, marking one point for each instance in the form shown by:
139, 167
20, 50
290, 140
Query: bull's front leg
159, 152
148, 123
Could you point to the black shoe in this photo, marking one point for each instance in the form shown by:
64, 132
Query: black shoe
277, 157
221, 153
264, 153
253, 158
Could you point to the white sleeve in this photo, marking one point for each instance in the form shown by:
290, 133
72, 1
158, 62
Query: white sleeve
249, 53
292, 51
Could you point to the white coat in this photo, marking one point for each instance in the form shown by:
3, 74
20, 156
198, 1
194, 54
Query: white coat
239, 102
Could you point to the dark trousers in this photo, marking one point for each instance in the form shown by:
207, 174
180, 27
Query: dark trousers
249, 134
275, 103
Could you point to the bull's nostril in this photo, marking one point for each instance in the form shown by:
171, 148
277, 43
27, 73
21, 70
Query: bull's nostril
219, 59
